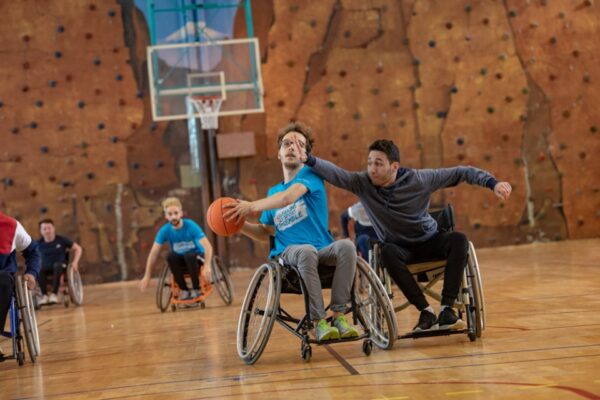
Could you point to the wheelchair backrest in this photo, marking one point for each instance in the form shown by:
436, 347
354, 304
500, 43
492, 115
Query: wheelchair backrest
444, 218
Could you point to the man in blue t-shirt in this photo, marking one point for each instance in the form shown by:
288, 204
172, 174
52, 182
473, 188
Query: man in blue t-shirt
296, 213
187, 241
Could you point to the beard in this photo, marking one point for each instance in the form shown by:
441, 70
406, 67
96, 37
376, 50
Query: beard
291, 165
175, 221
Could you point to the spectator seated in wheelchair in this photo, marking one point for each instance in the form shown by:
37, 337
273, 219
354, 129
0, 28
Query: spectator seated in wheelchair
55, 254
363, 229
295, 212
187, 241
396, 200
13, 238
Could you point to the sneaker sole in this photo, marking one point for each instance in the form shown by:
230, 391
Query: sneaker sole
330, 336
349, 335
458, 325
434, 327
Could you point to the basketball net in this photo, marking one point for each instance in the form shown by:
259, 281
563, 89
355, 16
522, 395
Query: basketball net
208, 108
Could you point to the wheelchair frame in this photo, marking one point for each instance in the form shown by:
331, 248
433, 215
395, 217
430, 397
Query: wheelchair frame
168, 292
71, 285
375, 312
21, 312
470, 301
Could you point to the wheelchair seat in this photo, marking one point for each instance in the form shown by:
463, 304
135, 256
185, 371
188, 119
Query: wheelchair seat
290, 277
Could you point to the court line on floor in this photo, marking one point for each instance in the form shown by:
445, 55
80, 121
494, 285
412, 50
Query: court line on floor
341, 360
289, 380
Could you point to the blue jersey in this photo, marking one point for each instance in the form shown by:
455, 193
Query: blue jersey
303, 222
183, 240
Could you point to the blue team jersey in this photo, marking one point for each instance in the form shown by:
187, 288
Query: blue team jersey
303, 222
183, 240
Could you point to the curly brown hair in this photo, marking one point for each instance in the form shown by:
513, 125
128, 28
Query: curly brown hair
297, 126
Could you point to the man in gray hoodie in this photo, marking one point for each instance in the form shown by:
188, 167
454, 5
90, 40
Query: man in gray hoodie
397, 201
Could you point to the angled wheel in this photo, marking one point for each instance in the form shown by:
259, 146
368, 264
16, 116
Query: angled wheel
477, 290
163, 289
75, 286
222, 281
374, 308
258, 313
25, 312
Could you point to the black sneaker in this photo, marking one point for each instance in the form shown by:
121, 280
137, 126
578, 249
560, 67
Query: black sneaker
427, 322
449, 320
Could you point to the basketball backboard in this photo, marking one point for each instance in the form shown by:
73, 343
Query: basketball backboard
227, 69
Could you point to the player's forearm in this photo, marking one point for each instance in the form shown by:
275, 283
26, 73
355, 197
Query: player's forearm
278, 200
150, 262
255, 231
77, 251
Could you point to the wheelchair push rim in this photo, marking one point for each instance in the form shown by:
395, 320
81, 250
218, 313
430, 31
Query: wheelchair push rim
25, 311
222, 281
262, 301
375, 309
75, 285
163, 289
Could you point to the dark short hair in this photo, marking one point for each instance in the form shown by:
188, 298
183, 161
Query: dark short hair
388, 147
297, 126
45, 221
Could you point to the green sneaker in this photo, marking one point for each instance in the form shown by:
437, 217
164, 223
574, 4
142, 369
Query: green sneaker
324, 331
346, 330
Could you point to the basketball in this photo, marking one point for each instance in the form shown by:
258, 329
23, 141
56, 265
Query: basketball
217, 223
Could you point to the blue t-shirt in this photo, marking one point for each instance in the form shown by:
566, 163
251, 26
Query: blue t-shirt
183, 240
303, 222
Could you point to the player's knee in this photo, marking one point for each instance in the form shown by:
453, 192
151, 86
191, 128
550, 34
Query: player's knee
309, 256
345, 247
458, 241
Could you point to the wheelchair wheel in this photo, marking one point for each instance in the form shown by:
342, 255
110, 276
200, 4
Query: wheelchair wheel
222, 281
163, 289
374, 308
25, 311
75, 286
258, 313
477, 287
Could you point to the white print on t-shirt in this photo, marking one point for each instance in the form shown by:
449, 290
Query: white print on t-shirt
289, 216
182, 247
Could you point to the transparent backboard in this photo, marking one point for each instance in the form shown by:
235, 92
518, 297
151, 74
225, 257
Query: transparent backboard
226, 69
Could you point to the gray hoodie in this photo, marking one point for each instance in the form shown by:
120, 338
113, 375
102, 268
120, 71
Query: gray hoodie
399, 212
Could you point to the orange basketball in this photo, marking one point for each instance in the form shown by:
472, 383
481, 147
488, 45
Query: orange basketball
217, 223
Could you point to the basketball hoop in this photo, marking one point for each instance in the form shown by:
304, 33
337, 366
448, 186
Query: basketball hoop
208, 108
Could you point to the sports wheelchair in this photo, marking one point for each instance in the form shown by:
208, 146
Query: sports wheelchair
168, 292
22, 313
371, 307
71, 287
470, 301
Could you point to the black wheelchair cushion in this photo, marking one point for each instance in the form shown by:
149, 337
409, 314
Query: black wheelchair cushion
290, 280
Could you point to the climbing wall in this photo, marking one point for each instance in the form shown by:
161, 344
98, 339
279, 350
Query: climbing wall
76, 141
506, 86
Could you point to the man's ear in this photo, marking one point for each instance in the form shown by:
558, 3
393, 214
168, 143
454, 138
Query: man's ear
395, 166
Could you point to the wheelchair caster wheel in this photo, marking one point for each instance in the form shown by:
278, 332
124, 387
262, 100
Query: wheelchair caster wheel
21, 358
472, 336
306, 352
173, 307
66, 303
202, 305
367, 347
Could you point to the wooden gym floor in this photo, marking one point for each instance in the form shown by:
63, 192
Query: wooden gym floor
541, 342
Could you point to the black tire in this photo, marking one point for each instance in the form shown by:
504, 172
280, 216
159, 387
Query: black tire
75, 285
25, 317
306, 352
367, 347
476, 290
163, 289
374, 308
262, 301
36, 334
20, 358
222, 281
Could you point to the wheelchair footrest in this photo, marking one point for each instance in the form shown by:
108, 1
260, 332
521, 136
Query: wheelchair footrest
431, 333
334, 341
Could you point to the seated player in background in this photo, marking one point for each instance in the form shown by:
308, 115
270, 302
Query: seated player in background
54, 251
187, 241
363, 228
